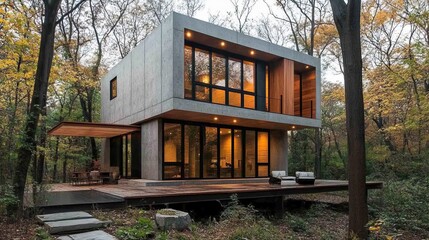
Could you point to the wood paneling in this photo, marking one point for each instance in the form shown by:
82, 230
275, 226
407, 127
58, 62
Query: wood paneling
282, 87
87, 129
308, 94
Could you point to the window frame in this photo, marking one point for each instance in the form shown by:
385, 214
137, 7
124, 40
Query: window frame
113, 81
202, 126
226, 88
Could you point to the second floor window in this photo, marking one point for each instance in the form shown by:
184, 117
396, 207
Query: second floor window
219, 78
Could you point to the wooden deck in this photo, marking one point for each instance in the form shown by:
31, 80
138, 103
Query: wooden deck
136, 193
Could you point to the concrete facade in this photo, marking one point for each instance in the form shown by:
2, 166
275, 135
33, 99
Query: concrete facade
150, 86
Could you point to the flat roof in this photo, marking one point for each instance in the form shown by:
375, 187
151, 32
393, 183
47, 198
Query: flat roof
89, 129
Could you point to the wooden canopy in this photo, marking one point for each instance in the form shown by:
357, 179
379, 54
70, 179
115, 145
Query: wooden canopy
87, 129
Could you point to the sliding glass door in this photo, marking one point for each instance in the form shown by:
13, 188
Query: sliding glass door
198, 150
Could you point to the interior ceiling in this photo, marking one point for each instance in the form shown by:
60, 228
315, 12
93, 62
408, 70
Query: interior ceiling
86, 129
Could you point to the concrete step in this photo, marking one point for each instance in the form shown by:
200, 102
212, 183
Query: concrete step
62, 216
93, 235
74, 225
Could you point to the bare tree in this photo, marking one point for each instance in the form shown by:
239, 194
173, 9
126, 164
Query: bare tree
191, 7
347, 20
241, 12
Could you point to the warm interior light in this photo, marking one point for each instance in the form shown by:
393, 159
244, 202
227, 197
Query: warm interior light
188, 34
252, 52
307, 67
293, 127
235, 120
215, 118
229, 131
222, 43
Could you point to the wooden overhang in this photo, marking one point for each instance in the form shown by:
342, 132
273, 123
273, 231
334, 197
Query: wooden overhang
88, 129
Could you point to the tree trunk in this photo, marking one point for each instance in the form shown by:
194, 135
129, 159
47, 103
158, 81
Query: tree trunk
38, 100
347, 21
55, 170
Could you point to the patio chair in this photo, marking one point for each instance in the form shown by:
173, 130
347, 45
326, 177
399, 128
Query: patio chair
280, 177
305, 177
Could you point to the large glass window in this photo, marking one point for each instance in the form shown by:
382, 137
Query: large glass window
218, 70
234, 73
263, 154
238, 153
225, 153
198, 150
250, 153
210, 162
202, 67
219, 78
172, 150
218, 96
188, 72
192, 151
249, 76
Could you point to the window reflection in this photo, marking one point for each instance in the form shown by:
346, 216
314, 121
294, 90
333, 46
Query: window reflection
249, 76
202, 93
188, 72
202, 68
192, 151
218, 70
234, 73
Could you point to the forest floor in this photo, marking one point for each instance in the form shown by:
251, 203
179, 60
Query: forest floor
314, 216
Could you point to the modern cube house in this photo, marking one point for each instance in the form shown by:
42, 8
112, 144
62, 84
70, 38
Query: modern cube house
211, 103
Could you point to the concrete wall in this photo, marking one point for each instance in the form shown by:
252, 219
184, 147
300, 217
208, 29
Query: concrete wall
150, 77
144, 79
152, 150
278, 150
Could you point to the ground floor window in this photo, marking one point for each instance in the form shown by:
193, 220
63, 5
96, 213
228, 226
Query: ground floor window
198, 150
125, 153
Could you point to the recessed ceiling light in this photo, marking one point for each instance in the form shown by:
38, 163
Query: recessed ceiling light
222, 43
307, 67
188, 34
235, 120
215, 118
252, 52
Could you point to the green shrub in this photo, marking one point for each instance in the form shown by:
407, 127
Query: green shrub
234, 211
42, 234
143, 229
8, 204
404, 204
296, 223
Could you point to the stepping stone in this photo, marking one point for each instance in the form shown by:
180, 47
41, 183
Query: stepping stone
74, 225
169, 218
63, 216
94, 235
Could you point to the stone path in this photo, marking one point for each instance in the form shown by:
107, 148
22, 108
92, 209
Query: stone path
82, 224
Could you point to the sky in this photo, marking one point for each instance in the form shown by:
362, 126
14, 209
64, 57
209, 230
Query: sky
259, 10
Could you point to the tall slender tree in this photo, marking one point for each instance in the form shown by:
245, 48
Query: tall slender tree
347, 21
